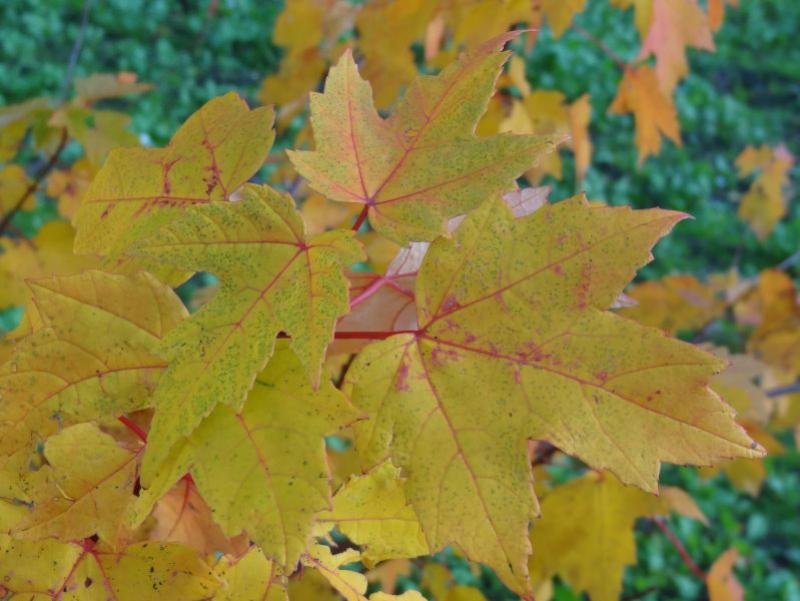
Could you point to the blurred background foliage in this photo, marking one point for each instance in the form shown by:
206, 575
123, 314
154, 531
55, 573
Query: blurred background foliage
744, 94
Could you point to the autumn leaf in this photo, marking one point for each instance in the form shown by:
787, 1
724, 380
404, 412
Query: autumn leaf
99, 86
764, 205
423, 165
653, 111
93, 480
274, 280
215, 151
722, 584
675, 25
275, 476
716, 12
63, 372
48, 253
14, 186
508, 350
50, 569
560, 13
252, 577
643, 13
372, 511
585, 535
351, 585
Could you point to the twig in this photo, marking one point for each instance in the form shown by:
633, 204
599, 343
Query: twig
76, 50
789, 261
601, 45
34, 185
361, 217
687, 559
788, 389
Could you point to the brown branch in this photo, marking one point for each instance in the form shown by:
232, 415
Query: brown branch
34, 185
676, 542
601, 45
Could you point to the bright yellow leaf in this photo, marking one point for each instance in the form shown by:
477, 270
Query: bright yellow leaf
516, 342
93, 480
252, 577
215, 151
274, 280
560, 13
423, 165
722, 583
274, 477
764, 204
372, 511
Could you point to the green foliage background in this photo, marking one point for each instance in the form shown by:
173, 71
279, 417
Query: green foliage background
746, 93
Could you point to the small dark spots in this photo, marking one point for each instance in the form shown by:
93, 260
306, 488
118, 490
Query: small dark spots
88, 582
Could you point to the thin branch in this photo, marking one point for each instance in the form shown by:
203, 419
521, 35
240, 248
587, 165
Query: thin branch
601, 45
673, 538
76, 50
34, 185
788, 262
780, 390
361, 217
133, 427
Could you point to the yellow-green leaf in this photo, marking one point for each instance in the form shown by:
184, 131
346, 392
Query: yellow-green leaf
516, 343
92, 353
217, 150
249, 578
372, 511
263, 469
92, 484
423, 164
273, 280
585, 534
50, 569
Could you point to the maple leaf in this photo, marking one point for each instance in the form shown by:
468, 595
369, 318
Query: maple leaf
64, 372
251, 577
351, 585
51, 569
275, 476
92, 484
677, 302
653, 111
508, 350
716, 12
721, 582
48, 253
560, 13
423, 165
643, 13
99, 86
14, 184
585, 534
16, 119
764, 204
273, 280
372, 511
213, 153
675, 25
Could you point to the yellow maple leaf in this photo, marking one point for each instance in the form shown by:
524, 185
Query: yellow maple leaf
674, 26
351, 585
275, 477
654, 112
676, 302
99, 86
213, 153
252, 577
14, 185
48, 253
372, 511
423, 165
69, 186
64, 372
560, 13
643, 13
511, 332
764, 204
274, 280
92, 484
721, 582
585, 534
50, 569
